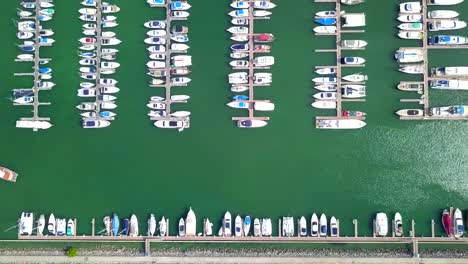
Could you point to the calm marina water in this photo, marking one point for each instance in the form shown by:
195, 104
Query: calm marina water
287, 168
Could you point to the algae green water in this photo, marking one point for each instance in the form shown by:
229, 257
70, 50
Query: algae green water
287, 168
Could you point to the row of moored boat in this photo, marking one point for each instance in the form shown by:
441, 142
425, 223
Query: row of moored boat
33, 36
168, 66
98, 63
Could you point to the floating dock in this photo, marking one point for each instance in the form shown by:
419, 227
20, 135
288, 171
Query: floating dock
37, 76
251, 86
168, 84
426, 78
339, 65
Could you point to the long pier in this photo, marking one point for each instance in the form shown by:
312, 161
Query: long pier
251, 85
37, 76
168, 83
98, 45
339, 65
425, 97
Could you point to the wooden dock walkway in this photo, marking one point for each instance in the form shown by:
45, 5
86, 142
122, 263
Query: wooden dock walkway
37, 77
168, 53
251, 70
425, 98
339, 65
98, 56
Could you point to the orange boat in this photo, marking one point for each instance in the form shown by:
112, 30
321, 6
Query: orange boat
7, 174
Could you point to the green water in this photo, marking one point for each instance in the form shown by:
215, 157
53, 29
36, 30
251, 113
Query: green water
287, 168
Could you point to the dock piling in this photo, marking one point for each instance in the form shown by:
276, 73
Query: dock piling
355, 223
432, 228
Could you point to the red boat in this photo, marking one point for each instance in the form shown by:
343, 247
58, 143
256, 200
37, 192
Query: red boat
447, 222
265, 38
352, 113
7, 174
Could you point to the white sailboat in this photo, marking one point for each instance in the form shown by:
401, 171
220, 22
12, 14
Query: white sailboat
238, 226
163, 227
191, 223
246, 226
381, 224
257, 228
227, 224
133, 226
41, 225
181, 228
151, 225
398, 225
208, 227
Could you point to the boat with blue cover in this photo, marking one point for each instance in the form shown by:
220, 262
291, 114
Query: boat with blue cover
251, 123
156, 3
180, 5
326, 21
95, 123
240, 97
235, 104
125, 227
44, 70
115, 224
447, 40
22, 92
27, 48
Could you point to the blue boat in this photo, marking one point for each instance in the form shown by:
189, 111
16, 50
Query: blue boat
447, 40
44, 70
27, 48
240, 47
326, 21
240, 97
20, 93
125, 227
105, 114
87, 55
115, 225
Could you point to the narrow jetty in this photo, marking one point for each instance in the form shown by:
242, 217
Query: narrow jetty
339, 65
425, 95
251, 68
35, 122
168, 85
98, 45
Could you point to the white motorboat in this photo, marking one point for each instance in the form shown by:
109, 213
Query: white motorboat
257, 228
24, 35
156, 3
41, 225
109, 65
325, 96
238, 30
447, 40
398, 225
266, 227
109, 90
302, 226
240, 21
324, 104
456, 110
442, 14
262, 4
412, 68
24, 100
246, 226
156, 64
153, 40
353, 20
239, 55
410, 18
353, 44
163, 227
264, 61
156, 106
409, 55
323, 225
110, 41
339, 124
444, 2
326, 71
156, 33
330, 13
410, 7
85, 92
87, 11
208, 227
411, 86
180, 38
352, 2
410, 112
191, 223
239, 13
333, 227
180, 80
381, 224
314, 225
261, 78
411, 26
325, 29
157, 113
239, 64
239, 88
445, 24
353, 60
179, 125
240, 105
238, 37
156, 49
227, 224
353, 91
181, 228
25, 57
264, 106
240, 4
180, 14
180, 114
251, 123
108, 105
155, 24
25, 226
133, 226
61, 226
288, 226
107, 82
261, 13
327, 87
410, 34
179, 47
456, 71
95, 123
109, 18
238, 78
179, 98
448, 84
33, 124
459, 227
181, 61
51, 225
355, 77
324, 80
180, 5
238, 226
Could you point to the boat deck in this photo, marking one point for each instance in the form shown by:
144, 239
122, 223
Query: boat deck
167, 84
338, 50
36, 60
426, 78
251, 69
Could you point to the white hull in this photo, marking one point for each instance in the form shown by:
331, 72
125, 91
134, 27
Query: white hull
340, 124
